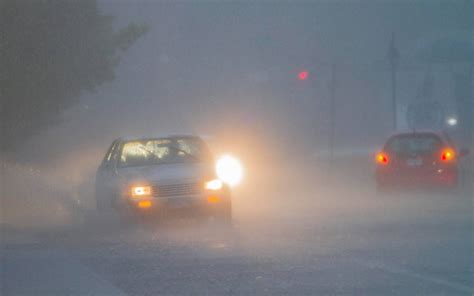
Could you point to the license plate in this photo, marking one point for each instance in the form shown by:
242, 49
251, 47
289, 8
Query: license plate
414, 162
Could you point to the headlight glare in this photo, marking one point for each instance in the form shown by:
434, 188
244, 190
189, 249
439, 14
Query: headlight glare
215, 184
229, 170
138, 191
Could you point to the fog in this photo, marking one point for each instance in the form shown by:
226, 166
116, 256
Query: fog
303, 93
231, 69
229, 72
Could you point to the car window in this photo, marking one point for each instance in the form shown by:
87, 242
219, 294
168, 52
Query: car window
192, 147
414, 144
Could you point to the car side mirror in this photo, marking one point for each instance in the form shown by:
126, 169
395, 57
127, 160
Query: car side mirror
464, 152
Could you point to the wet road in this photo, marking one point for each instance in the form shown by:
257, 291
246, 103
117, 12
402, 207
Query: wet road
341, 241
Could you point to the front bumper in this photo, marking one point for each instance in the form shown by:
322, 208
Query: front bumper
206, 202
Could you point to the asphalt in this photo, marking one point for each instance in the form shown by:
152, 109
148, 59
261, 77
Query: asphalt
345, 240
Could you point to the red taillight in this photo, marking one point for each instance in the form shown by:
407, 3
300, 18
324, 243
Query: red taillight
303, 75
382, 158
448, 155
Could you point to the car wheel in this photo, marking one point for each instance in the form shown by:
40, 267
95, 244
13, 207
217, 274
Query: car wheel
102, 198
101, 204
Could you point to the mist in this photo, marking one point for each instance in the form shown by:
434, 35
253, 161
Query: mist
231, 69
230, 73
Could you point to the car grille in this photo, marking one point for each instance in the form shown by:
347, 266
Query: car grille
176, 189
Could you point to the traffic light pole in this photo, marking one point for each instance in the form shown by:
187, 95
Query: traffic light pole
332, 113
394, 96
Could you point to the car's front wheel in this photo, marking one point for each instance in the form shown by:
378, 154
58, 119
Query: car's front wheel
101, 203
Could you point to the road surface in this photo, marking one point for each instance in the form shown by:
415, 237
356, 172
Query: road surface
345, 240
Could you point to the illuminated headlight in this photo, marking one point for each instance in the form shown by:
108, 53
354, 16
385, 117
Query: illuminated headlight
214, 185
139, 191
229, 170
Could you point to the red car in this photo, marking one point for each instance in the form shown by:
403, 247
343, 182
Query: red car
418, 159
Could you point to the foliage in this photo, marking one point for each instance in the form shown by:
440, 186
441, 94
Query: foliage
51, 51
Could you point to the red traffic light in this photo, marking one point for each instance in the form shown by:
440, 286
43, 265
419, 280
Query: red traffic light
303, 75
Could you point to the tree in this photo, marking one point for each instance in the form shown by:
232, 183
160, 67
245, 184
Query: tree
51, 52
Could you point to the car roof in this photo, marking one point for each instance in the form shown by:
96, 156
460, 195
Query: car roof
425, 131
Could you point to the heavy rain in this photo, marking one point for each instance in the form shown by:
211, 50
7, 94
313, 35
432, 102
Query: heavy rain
236, 147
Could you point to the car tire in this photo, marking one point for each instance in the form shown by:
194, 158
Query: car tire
102, 199
101, 204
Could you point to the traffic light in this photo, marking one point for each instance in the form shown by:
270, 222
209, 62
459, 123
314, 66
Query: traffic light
303, 75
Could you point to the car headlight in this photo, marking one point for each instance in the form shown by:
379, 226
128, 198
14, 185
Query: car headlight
229, 170
215, 184
140, 191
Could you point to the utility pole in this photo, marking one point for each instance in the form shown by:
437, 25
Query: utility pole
393, 57
332, 112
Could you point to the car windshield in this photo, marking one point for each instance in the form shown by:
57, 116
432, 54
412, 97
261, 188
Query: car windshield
162, 151
414, 144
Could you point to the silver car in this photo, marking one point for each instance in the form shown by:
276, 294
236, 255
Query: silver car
154, 176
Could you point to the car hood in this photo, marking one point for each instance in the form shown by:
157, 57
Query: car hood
168, 173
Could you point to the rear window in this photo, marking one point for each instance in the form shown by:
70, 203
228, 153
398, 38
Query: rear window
409, 144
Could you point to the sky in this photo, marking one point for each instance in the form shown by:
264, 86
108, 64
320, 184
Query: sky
229, 69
